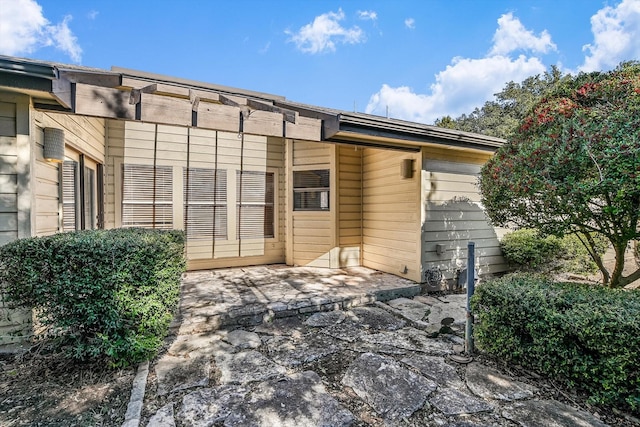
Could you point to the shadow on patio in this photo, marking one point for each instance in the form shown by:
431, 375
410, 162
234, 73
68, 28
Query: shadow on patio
252, 295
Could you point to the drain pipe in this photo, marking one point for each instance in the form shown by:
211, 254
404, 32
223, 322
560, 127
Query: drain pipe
471, 268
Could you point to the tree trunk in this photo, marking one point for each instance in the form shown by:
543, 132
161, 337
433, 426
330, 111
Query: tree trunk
616, 276
592, 249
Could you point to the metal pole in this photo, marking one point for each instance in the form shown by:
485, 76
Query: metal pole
471, 268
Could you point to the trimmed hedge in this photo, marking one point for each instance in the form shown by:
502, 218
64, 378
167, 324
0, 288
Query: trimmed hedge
103, 294
584, 336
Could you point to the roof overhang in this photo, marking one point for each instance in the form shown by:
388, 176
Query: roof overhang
138, 96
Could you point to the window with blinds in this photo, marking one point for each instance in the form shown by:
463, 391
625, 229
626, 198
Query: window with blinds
69, 195
256, 204
205, 203
311, 190
147, 199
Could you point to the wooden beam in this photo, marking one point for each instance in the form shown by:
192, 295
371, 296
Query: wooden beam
61, 91
263, 123
160, 88
304, 128
288, 115
103, 79
103, 102
165, 109
219, 117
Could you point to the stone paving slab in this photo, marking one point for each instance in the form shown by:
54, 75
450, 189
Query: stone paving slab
393, 391
299, 400
356, 365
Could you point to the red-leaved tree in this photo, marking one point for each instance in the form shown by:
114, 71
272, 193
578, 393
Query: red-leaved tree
573, 166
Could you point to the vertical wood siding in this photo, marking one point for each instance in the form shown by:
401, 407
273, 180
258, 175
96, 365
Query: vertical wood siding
391, 214
313, 232
349, 161
454, 216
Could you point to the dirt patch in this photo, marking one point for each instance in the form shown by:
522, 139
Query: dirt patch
37, 390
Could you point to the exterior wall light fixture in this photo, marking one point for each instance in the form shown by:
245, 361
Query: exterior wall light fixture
54, 145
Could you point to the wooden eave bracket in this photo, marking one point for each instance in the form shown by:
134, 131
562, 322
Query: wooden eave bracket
287, 115
135, 97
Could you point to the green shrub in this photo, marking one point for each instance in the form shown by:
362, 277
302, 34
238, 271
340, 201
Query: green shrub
103, 293
585, 336
527, 250
575, 257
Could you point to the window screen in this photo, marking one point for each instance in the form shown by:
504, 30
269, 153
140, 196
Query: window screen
147, 196
311, 190
205, 201
256, 199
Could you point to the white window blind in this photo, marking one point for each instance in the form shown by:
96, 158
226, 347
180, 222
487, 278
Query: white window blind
256, 200
205, 202
147, 196
69, 195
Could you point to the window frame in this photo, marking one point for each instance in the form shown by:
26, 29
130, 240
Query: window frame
312, 190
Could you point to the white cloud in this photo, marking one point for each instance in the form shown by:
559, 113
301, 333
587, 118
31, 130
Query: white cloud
459, 88
467, 83
616, 31
24, 29
324, 32
410, 23
93, 15
367, 15
511, 35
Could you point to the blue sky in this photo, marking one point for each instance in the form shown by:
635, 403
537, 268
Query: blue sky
419, 60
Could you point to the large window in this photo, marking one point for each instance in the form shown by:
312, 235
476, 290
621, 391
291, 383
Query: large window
205, 203
147, 193
311, 190
256, 204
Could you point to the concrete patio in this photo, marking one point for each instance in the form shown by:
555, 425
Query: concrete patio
252, 295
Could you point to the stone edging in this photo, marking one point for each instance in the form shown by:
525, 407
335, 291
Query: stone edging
134, 409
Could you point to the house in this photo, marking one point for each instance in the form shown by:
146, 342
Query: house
253, 178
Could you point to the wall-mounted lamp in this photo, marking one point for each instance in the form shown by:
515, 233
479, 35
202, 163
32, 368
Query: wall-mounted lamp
406, 168
54, 145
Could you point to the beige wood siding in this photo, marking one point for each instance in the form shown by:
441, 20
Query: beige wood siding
391, 214
115, 130
312, 236
134, 143
349, 161
16, 165
8, 173
82, 135
453, 216
85, 135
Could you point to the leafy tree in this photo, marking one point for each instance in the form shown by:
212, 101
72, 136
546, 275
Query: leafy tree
446, 122
573, 166
501, 116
